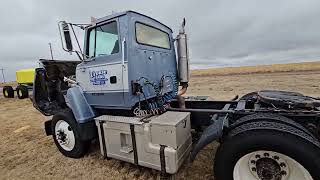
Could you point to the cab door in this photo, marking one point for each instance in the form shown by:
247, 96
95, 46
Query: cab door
101, 76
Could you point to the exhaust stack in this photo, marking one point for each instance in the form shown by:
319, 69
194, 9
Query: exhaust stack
183, 59
183, 55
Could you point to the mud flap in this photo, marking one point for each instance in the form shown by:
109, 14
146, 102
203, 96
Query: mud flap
212, 133
48, 127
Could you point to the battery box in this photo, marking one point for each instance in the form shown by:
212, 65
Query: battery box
160, 142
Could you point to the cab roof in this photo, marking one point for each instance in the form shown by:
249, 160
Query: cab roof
114, 15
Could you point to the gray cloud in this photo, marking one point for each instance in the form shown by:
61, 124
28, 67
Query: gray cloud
221, 32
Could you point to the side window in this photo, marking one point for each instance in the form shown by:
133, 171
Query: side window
151, 36
104, 40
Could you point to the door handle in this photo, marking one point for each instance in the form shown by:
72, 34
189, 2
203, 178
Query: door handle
123, 50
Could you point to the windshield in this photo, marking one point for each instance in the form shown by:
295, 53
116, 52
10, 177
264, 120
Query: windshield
103, 40
148, 35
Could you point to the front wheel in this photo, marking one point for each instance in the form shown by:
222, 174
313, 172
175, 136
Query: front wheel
256, 151
66, 135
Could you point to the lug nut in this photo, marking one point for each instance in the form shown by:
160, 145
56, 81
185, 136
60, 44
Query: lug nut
254, 169
276, 157
253, 162
266, 154
282, 164
258, 156
283, 173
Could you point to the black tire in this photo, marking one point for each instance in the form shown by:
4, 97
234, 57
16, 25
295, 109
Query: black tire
22, 92
8, 92
266, 136
81, 147
258, 117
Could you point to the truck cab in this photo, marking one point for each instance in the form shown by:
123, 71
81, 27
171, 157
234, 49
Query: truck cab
121, 49
128, 58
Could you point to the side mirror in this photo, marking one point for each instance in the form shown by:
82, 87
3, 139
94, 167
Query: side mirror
65, 36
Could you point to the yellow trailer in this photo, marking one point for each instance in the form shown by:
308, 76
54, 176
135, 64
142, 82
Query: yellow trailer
24, 78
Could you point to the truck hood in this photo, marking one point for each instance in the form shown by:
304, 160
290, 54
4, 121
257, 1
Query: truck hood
49, 88
59, 68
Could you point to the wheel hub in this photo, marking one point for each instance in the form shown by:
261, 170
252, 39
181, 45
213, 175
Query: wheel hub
266, 165
62, 137
268, 169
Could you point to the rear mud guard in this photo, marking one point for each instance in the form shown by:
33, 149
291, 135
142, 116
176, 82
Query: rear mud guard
212, 133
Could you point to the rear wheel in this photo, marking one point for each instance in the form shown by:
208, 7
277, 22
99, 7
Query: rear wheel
22, 92
269, 165
8, 92
66, 135
267, 151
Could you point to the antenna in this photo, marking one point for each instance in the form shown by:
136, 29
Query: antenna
4, 80
50, 50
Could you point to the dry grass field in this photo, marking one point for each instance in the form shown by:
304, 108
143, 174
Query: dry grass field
26, 153
292, 67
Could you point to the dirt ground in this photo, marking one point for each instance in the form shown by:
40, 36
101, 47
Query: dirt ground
26, 153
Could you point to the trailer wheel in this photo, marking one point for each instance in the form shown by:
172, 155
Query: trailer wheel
8, 92
22, 92
267, 150
66, 135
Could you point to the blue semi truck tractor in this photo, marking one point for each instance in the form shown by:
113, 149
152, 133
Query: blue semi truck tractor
126, 90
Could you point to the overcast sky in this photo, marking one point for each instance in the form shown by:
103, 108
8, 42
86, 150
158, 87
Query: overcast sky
221, 32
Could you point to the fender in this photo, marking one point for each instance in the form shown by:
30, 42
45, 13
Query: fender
212, 133
78, 103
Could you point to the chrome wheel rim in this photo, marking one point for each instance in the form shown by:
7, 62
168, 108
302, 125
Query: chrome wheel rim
64, 135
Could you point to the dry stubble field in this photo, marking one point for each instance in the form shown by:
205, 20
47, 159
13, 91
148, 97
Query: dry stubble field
26, 153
